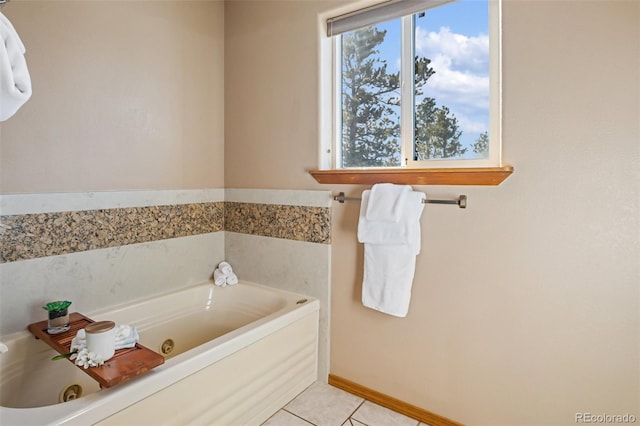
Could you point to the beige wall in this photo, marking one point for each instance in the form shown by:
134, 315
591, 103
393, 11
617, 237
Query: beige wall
271, 61
126, 95
525, 307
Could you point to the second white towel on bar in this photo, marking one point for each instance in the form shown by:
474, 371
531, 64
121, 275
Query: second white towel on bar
390, 250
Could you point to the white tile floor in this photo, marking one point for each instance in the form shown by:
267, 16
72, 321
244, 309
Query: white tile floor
324, 405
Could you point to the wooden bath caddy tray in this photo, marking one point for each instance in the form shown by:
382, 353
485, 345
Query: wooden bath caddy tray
124, 365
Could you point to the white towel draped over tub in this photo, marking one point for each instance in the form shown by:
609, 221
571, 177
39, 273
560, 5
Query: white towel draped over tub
390, 247
15, 82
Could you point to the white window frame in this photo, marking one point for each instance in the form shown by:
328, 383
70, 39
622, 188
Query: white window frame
329, 85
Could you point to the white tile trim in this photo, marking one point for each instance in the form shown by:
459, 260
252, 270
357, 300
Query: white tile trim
13, 204
290, 197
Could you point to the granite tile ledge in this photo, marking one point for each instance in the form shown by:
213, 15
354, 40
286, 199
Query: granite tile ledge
32, 236
299, 223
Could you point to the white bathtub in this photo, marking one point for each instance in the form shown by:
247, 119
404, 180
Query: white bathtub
240, 353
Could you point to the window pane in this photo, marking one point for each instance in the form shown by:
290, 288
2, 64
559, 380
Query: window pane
452, 82
370, 95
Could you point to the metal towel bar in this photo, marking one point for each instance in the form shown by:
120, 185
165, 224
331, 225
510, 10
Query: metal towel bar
460, 202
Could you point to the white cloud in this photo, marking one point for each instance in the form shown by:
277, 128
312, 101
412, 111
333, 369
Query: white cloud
461, 79
469, 53
468, 125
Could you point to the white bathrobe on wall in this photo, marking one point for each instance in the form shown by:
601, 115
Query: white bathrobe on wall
15, 81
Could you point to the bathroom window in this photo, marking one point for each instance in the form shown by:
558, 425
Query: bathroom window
414, 85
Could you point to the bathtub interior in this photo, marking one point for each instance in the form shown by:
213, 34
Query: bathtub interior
175, 323
188, 318
29, 378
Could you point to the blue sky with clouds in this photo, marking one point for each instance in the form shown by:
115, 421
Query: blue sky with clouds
455, 38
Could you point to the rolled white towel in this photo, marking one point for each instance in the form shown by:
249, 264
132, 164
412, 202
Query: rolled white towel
225, 268
3, 348
219, 278
232, 279
15, 82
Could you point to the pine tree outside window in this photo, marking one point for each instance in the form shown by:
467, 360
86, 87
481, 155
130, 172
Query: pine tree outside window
419, 90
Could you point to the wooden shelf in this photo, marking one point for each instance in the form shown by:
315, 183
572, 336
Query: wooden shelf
124, 365
491, 176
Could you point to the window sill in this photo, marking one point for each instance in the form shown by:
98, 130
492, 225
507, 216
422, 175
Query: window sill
491, 176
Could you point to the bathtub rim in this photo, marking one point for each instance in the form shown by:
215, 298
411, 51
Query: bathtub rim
99, 405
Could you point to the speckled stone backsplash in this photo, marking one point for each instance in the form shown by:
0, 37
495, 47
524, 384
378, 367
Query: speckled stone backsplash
300, 223
30, 236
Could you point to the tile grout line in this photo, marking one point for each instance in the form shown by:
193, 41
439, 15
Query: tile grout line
301, 418
350, 419
354, 411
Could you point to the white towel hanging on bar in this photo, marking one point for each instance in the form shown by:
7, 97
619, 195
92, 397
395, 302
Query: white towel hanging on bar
390, 250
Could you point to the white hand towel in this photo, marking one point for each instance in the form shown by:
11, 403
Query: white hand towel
15, 82
387, 201
388, 278
126, 336
390, 251
225, 268
405, 231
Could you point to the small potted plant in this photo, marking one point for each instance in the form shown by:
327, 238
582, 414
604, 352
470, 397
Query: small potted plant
58, 316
